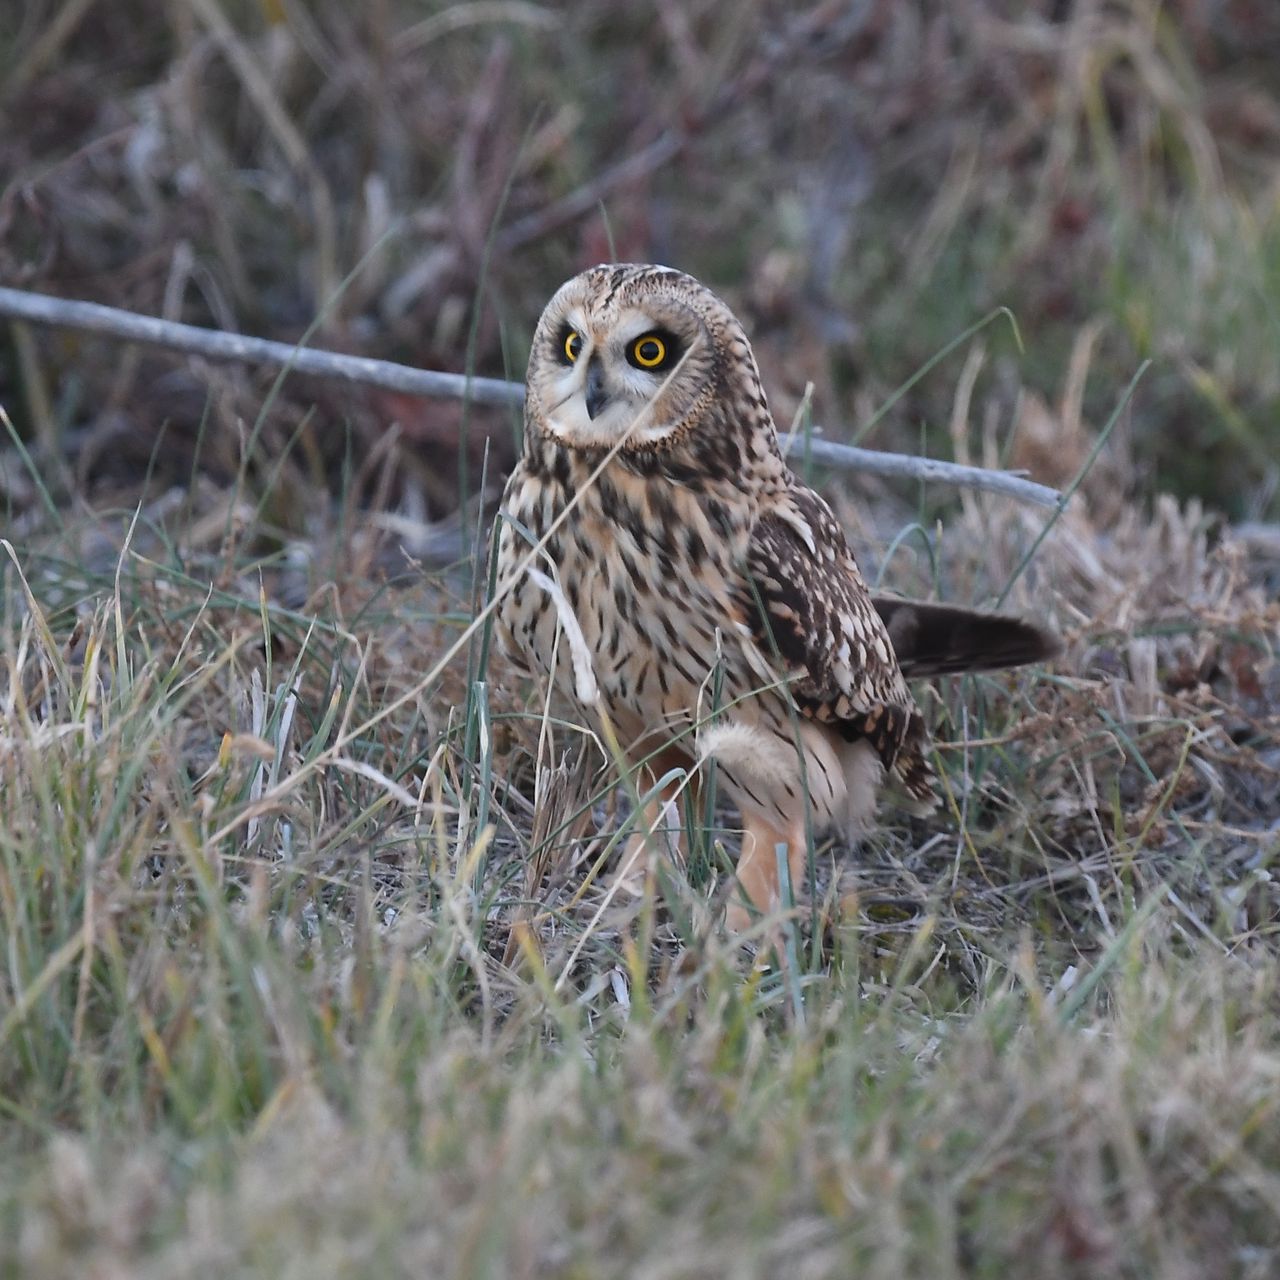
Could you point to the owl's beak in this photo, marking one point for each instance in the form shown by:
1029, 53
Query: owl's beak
597, 396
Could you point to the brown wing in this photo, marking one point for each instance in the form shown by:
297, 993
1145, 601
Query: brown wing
812, 614
942, 639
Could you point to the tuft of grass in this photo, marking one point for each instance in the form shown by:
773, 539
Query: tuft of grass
305, 964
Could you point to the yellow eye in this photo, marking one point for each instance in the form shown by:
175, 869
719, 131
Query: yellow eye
572, 345
648, 352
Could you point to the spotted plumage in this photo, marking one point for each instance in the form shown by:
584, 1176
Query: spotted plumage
716, 609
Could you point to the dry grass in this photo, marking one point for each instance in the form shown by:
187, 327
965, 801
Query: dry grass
280, 991
306, 963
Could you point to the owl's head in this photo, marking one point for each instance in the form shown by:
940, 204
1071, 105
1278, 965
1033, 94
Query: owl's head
641, 352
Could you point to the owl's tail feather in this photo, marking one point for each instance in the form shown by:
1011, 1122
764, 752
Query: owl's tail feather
942, 639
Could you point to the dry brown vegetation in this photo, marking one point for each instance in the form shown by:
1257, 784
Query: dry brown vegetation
306, 963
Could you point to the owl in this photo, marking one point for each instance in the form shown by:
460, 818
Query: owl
660, 565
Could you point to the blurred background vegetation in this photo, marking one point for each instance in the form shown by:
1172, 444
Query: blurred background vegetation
862, 180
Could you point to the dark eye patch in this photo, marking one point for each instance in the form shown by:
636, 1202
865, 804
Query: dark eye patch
568, 344
654, 351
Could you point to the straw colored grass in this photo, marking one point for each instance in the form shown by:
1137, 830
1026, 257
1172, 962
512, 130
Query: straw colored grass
271, 1004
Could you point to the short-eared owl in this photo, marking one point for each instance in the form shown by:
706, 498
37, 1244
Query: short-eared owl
723, 613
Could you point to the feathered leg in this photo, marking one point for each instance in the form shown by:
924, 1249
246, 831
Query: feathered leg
758, 868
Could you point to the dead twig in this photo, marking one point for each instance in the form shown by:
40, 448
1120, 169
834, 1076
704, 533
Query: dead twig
214, 344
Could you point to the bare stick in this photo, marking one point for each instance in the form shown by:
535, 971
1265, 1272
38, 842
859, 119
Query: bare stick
217, 345
214, 344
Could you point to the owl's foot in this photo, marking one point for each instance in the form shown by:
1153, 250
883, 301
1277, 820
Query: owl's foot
759, 880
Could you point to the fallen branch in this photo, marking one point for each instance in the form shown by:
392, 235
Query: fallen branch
214, 344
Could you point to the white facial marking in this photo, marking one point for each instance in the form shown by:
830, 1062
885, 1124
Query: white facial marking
632, 391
